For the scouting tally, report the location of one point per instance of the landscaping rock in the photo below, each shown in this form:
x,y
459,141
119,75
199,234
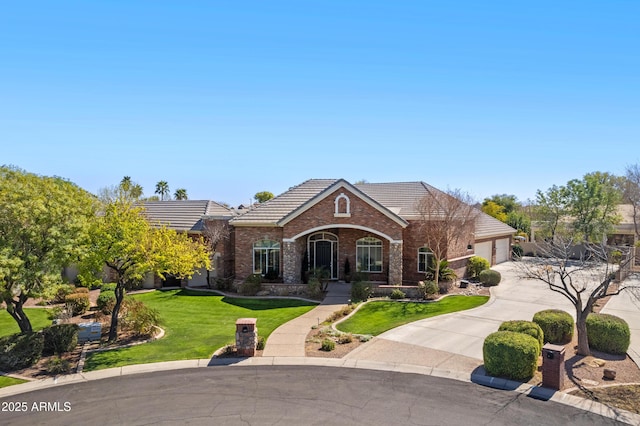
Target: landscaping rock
x,y
609,374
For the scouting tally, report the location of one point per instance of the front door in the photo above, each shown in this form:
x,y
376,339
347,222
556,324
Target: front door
x,y
324,256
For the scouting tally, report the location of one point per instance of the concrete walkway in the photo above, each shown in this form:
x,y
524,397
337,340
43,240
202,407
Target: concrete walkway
x,y
288,340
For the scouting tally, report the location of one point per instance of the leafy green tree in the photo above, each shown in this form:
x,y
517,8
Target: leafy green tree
x,y
494,210
162,189
519,221
125,242
551,207
509,203
592,203
263,196
180,194
43,228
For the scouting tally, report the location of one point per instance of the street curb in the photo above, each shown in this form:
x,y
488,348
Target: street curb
x,y
531,391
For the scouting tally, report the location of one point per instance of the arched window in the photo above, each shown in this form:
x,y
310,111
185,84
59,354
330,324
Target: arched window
x,y
424,256
266,258
342,206
369,254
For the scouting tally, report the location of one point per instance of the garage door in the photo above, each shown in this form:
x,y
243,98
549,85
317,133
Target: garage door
x,y
484,250
502,250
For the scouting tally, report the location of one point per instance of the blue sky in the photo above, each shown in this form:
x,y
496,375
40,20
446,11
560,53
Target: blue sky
x,y
227,99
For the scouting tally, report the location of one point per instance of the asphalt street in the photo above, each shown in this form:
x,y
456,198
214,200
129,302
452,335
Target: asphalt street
x,y
284,395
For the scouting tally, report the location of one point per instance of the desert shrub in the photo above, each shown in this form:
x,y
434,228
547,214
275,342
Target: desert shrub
x,y
527,327
511,355
608,333
360,291
108,287
365,338
328,345
251,285
517,251
445,273
397,294
476,265
557,325
345,338
77,303
106,301
60,338
314,288
20,350
81,290
489,277
138,317
341,313
428,289
57,365
260,343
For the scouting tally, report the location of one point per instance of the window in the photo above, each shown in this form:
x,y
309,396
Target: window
x,y
369,254
266,258
423,259
342,206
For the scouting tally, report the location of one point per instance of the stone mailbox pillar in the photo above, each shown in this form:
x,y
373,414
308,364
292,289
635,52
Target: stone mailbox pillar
x,y
246,336
552,365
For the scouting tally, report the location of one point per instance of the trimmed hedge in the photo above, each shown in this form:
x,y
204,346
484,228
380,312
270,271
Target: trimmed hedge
x,y
79,303
20,350
360,291
60,338
489,277
608,333
251,285
108,287
511,355
526,327
557,325
475,265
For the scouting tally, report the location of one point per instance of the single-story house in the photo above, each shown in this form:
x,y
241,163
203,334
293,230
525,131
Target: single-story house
x,y
372,226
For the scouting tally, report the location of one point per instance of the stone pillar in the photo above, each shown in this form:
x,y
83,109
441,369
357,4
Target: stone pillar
x,y
395,263
290,263
246,336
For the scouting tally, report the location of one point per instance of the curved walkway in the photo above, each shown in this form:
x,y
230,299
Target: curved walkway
x,y
288,340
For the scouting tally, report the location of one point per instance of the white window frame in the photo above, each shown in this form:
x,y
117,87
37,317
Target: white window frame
x,y
365,246
337,212
267,249
424,252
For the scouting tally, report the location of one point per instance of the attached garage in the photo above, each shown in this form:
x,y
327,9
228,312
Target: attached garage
x,y
502,250
484,249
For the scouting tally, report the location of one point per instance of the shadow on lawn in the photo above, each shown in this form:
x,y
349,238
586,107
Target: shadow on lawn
x,y
265,304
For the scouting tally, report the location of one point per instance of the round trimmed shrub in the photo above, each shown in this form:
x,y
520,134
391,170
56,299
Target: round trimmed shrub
x,y
526,327
428,289
489,277
557,325
108,287
106,301
475,265
608,333
511,355
60,338
78,302
20,350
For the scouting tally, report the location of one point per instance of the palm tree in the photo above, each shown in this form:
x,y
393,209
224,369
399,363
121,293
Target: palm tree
x,y
180,194
162,189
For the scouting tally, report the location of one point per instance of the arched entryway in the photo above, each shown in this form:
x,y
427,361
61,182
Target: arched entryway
x,y
323,252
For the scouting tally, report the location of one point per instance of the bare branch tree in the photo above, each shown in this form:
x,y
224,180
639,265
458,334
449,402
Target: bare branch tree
x,y
214,233
447,221
582,273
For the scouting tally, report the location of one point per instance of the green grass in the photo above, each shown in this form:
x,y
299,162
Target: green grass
x,y
197,324
377,317
37,316
9,381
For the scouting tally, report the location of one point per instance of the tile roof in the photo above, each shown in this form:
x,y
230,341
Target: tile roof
x,y
488,226
400,197
185,215
278,208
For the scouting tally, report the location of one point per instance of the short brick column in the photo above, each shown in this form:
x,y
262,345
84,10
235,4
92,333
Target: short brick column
x,y
246,336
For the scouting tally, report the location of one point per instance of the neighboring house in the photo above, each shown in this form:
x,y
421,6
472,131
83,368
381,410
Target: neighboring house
x,y
373,225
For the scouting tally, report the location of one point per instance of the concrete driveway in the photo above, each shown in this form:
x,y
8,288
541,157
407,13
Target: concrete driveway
x,y
463,333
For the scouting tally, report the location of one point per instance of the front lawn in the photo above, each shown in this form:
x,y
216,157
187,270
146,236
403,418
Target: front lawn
x,y
377,317
9,381
197,324
37,316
